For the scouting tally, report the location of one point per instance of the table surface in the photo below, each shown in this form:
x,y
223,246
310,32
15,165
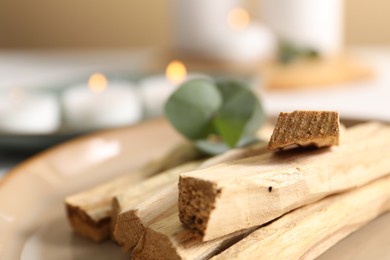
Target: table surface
x,y
367,100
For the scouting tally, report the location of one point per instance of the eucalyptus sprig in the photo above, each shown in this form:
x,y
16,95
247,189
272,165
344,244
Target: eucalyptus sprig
x,y
216,115
289,52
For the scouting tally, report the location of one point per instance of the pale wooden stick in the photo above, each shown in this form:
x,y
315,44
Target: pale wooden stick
x,y
132,221
307,232
133,197
169,239
89,212
238,195
131,224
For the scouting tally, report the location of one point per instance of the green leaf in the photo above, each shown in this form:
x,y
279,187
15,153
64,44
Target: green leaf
x,y
240,114
215,115
256,121
288,52
210,147
192,107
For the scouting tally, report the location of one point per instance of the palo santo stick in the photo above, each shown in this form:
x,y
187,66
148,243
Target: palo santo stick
x,y
307,232
134,197
239,195
89,211
132,221
319,128
168,239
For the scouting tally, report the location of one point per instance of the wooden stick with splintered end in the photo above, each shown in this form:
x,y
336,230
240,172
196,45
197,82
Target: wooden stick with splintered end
x,y
89,212
126,224
168,239
242,194
132,223
307,232
132,220
303,128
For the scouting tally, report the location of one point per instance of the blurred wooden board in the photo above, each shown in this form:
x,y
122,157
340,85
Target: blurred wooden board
x,y
200,63
304,74
297,75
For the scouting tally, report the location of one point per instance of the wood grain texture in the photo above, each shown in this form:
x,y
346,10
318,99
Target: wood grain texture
x,y
133,220
168,239
123,204
133,223
303,128
89,212
307,232
250,192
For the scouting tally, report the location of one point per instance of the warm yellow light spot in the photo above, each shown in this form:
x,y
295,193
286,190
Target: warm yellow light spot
x,y
176,72
238,19
97,83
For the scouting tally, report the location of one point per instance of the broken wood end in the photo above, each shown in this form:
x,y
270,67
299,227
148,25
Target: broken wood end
x,y
304,128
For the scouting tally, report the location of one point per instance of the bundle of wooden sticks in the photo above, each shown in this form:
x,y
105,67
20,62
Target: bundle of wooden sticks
x,y
249,203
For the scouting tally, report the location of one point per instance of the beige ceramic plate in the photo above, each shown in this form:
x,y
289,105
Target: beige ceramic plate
x,y
32,217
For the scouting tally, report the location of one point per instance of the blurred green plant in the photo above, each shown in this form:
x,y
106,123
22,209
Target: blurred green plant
x,y
288,52
216,115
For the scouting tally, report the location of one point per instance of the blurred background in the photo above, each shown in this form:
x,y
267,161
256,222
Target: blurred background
x,y
143,23
71,67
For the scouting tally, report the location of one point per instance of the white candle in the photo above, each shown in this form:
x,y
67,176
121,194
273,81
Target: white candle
x,y
253,43
220,30
155,90
199,24
101,104
28,113
316,24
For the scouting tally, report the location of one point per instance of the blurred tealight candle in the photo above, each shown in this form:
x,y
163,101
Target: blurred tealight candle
x,y
155,90
100,104
220,30
200,25
28,113
247,42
